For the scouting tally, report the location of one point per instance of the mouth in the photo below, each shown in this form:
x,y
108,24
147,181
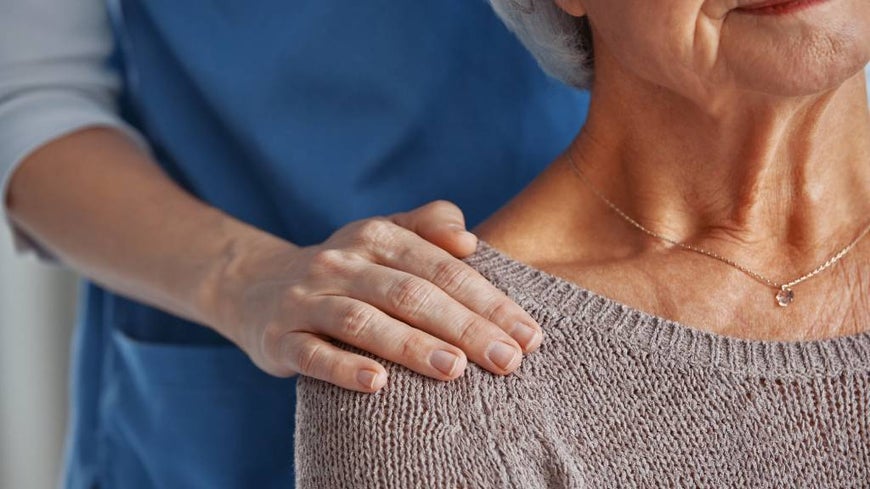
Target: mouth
x,y
777,7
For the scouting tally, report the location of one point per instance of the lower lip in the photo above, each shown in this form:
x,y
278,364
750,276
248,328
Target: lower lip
x,y
781,8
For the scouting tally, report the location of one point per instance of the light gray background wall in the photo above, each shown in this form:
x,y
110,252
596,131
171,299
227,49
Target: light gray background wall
x,y
37,305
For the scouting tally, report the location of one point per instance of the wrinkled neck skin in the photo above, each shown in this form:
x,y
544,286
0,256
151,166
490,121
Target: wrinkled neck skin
x,y
744,171
777,184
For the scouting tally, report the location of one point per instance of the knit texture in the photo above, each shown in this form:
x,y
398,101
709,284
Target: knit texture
x,y
613,398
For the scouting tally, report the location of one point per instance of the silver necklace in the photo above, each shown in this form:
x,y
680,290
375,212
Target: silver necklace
x,y
784,294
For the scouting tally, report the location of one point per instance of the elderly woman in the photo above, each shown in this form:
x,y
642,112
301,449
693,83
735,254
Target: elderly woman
x,y
696,259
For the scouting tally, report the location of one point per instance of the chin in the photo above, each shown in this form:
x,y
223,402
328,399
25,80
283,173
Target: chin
x,y
798,79
808,54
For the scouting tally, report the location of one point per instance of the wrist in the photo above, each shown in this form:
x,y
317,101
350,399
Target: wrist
x,y
245,256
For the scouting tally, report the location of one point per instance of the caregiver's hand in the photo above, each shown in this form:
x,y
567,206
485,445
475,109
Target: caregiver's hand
x,y
390,286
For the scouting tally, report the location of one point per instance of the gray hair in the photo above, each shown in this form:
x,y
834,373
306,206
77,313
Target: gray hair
x,y
561,43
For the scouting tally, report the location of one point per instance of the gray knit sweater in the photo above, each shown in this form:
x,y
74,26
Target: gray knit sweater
x,y
613,398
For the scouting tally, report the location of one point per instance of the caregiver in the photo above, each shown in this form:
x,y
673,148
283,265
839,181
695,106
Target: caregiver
x,y
236,193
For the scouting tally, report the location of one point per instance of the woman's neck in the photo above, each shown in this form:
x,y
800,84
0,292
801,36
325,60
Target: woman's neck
x,y
790,177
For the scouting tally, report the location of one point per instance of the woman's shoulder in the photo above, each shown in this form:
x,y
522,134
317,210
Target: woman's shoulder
x,y
412,432
416,431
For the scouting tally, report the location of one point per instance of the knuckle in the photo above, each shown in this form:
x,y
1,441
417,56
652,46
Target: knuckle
x,y
450,276
295,294
310,357
470,330
328,260
500,308
356,320
409,295
375,231
411,346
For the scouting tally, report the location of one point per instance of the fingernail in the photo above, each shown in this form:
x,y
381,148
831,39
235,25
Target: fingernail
x,y
502,354
456,226
526,335
371,379
444,361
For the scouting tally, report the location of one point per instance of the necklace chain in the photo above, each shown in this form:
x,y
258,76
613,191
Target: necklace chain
x,y
784,296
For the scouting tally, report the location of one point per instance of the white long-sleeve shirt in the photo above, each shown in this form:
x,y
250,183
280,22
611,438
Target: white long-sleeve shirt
x,y
54,78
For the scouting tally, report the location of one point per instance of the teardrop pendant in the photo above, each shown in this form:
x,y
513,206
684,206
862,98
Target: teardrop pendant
x,y
784,297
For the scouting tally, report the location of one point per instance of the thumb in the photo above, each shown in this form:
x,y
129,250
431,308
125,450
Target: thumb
x,y
442,224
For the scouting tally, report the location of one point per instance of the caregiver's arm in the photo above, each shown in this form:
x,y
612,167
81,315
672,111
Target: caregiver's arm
x,y
97,202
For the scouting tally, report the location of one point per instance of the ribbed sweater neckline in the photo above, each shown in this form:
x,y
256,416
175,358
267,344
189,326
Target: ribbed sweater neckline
x,y
578,308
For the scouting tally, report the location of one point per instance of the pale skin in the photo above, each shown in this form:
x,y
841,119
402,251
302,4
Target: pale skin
x,y
392,285
743,134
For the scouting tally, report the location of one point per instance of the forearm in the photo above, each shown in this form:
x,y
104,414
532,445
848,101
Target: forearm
x,y
96,201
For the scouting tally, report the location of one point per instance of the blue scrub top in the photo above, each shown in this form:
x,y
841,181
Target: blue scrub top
x,y
297,117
